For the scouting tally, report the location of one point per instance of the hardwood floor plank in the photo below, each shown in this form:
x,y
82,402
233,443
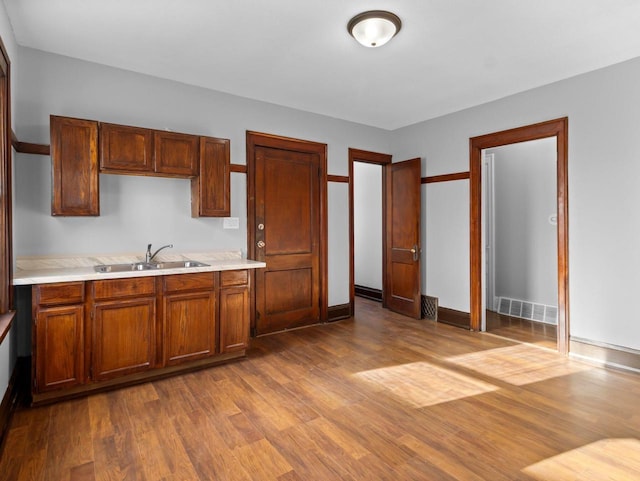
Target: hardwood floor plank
x,y
84,472
261,460
375,397
206,448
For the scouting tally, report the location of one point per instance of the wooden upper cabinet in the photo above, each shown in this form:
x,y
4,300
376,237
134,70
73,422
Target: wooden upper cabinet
x,y
74,162
125,149
176,154
210,191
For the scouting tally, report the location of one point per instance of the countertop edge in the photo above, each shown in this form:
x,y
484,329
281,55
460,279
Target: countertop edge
x,y
49,276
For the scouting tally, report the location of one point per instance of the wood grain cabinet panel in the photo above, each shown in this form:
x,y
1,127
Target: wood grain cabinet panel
x,y
234,310
58,334
189,317
59,293
58,355
189,320
127,287
125,149
234,319
211,191
74,160
176,154
124,337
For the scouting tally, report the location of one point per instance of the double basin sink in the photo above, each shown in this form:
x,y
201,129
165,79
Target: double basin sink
x,y
147,266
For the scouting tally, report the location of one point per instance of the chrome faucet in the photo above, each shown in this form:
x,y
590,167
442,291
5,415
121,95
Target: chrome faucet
x,y
149,256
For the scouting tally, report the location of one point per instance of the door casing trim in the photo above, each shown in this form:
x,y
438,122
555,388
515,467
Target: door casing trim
x,y
559,129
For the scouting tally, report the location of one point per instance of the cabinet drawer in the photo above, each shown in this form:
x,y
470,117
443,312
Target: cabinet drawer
x,y
188,282
135,286
234,278
58,294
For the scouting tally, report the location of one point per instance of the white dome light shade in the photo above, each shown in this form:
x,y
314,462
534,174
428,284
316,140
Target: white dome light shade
x,y
374,28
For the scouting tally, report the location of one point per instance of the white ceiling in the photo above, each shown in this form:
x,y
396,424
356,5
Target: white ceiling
x,y
449,55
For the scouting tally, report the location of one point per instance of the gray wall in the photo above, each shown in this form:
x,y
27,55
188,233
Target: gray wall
x,y
604,230
138,210
525,241
367,224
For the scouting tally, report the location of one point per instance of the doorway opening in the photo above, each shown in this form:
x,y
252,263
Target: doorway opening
x,y
368,233
519,235
559,130
401,195
366,169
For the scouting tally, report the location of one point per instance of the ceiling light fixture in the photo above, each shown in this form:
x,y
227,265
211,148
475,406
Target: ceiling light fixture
x,y
374,28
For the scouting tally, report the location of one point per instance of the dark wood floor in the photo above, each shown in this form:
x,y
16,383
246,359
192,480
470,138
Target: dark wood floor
x,y
522,330
378,397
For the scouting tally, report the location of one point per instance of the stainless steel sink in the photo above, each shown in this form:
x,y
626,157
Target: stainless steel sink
x,y
136,266
180,264
147,266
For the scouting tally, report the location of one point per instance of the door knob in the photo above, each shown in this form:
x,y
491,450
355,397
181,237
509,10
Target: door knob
x,y
416,252
261,244
260,226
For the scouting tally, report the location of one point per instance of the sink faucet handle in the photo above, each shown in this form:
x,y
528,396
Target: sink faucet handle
x,y
150,256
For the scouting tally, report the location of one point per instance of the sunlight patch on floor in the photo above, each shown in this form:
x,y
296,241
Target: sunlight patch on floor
x,y
421,384
610,459
519,364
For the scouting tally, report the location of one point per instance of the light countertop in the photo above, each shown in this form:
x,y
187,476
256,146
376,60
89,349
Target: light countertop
x,y
46,270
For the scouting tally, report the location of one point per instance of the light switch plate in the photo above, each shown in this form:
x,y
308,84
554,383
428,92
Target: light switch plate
x,y
231,223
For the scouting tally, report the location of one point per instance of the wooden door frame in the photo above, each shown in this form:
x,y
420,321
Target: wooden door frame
x,y
357,155
559,129
259,139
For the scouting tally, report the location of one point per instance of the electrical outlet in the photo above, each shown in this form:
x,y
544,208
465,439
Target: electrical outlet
x,y
231,223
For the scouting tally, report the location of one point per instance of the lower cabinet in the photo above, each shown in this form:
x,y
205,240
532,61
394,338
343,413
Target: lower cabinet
x,y
58,336
123,337
123,315
189,317
234,310
98,334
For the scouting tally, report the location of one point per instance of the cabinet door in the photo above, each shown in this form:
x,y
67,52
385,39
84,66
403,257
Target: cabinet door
x,y
124,337
74,160
59,347
234,319
210,191
125,149
176,154
189,321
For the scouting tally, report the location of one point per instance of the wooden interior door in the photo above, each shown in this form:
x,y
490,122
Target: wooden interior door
x,y
285,223
401,262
